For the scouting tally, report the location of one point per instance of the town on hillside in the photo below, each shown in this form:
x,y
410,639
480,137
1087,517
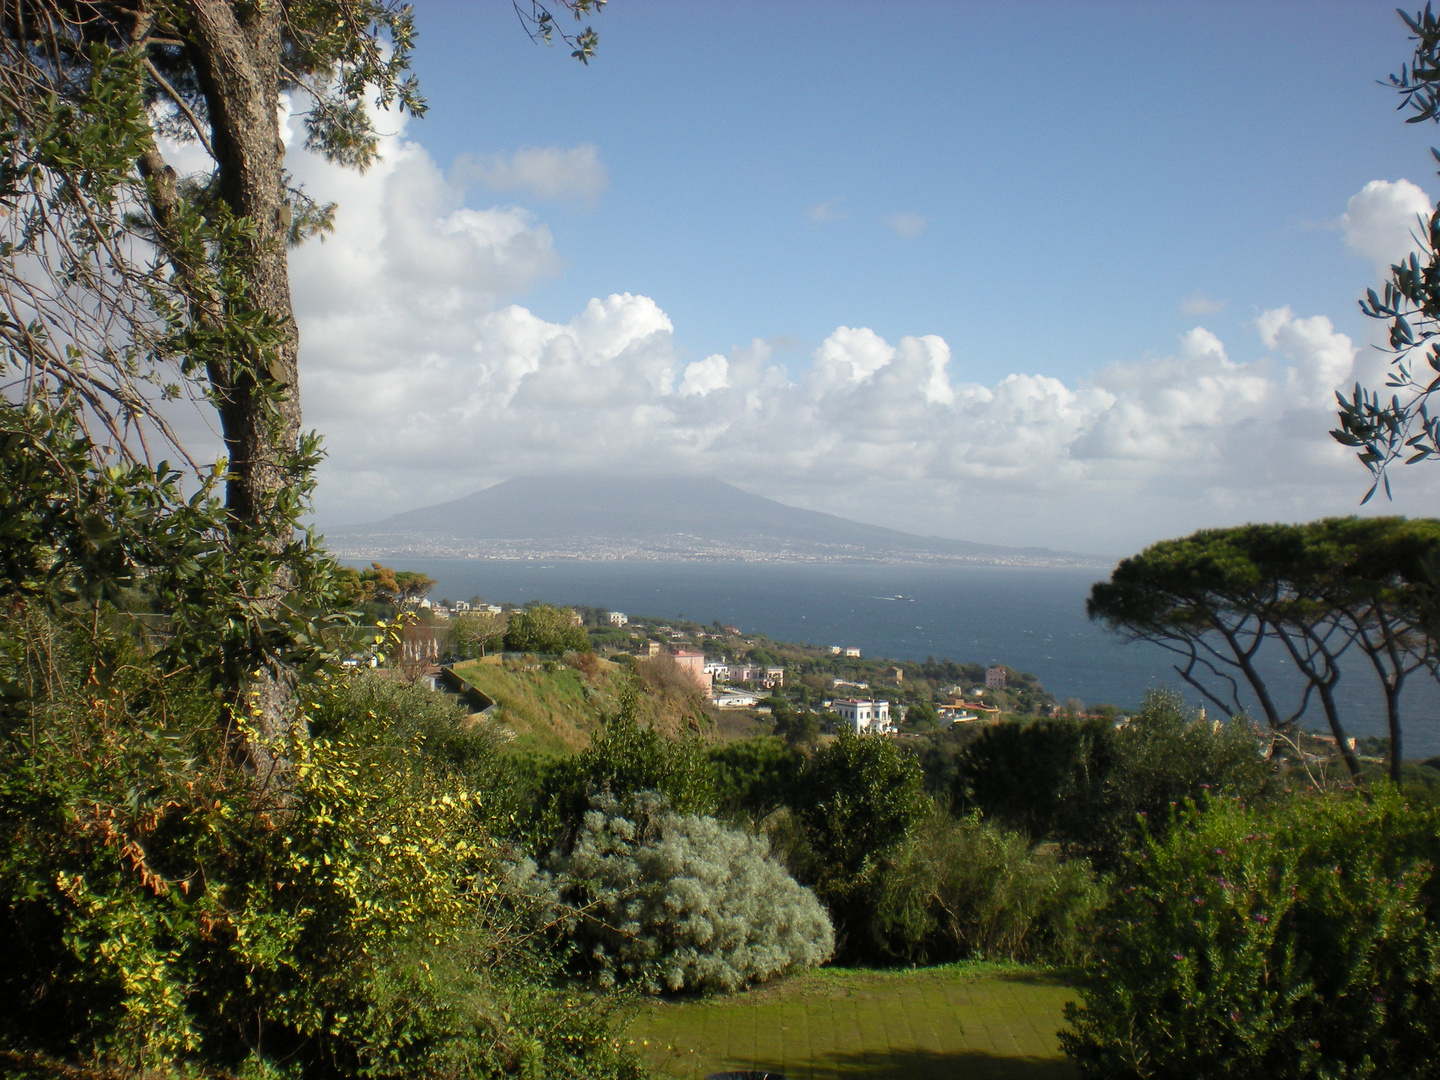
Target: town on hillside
x,y
743,680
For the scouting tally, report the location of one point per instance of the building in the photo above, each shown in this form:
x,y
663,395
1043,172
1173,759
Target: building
x,y
616,618
835,650
995,678
736,699
774,676
864,716
692,663
460,605
851,650
733,630
959,711
648,650
956,714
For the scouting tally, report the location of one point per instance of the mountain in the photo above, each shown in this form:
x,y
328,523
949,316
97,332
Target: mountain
x,y
655,518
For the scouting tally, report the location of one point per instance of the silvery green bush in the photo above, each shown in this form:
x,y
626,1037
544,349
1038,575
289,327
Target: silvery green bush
x,y
677,902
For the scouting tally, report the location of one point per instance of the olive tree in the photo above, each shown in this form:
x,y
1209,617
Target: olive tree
x,y
1396,424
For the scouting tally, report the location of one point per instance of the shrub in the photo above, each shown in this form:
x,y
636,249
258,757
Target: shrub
x,y
1093,786
963,889
754,777
680,902
1289,942
623,760
162,913
858,799
1037,777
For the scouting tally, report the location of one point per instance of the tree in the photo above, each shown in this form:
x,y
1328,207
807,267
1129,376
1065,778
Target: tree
x,y
1037,777
754,777
1317,590
411,585
542,628
1385,431
126,285
474,632
859,799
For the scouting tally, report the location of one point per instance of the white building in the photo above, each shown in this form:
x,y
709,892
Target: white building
x,y
956,714
616,618
863,716
718,672
852,651
460,605
735,699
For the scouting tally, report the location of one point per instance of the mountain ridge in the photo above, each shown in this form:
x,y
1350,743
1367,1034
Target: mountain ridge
x,y
656,518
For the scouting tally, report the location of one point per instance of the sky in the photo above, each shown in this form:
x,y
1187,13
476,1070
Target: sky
x,y
1081,275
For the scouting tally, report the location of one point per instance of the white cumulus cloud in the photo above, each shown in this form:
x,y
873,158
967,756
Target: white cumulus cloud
x,y
703,376
429,381
1382,220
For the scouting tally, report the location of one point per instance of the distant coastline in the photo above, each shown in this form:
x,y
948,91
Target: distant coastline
x,y
609,519
682,549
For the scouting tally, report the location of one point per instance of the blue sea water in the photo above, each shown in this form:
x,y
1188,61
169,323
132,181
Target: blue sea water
x,y
1032,619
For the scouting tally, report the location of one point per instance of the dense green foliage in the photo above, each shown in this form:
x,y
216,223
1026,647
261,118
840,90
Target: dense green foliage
x,y
858,801
159,911
1096,787
678,901
1296,941
624,761
968,889
754,777
541,628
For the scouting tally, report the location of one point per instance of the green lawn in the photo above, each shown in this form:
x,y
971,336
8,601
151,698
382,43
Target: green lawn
x,y
951,1023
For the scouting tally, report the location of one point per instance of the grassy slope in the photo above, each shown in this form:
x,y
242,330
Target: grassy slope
x,y
553,709
966,1020
550,711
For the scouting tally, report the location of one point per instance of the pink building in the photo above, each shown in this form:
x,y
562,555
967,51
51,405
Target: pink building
x,y
692,663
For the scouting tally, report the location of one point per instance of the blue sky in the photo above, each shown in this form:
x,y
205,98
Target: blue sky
x,y
1076,274
1082,168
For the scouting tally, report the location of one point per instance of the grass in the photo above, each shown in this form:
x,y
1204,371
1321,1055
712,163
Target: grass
x,y
550,711
981,1021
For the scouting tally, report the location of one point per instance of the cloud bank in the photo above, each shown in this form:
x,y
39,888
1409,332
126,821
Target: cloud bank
x,y
429,382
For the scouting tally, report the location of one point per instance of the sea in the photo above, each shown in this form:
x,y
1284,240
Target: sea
x,y
1030,618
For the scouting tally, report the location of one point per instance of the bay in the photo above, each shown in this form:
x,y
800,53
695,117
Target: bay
x,y
1031,618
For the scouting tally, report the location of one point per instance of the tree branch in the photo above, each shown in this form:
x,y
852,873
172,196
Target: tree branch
x,y
174,95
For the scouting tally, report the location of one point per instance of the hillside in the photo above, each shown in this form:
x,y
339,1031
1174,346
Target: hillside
x,y
553,708
650,518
